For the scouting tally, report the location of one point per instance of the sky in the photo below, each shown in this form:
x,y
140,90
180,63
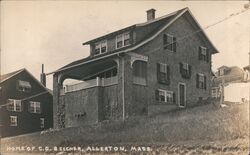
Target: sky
x,y
52,32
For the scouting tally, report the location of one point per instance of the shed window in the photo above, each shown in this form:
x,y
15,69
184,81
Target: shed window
x,y
13,120
41,123
34,107
14,105
23,86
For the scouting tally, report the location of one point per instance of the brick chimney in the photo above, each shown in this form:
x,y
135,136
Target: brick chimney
x,y
151,14
43,77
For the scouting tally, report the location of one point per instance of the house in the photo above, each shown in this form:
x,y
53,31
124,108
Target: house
x,y
26,104
159,65
231,79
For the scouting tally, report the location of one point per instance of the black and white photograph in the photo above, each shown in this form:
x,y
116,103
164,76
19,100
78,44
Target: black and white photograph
x,y
124,77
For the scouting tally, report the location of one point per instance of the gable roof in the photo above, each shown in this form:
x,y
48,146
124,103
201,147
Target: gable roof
x,y
172,17
8,76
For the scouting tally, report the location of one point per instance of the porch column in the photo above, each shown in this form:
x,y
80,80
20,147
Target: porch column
x,y
124,73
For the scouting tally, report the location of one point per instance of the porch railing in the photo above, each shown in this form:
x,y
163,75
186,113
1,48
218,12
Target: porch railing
x,y
88,84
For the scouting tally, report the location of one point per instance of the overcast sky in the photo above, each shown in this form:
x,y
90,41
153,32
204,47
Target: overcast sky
x,y
52,32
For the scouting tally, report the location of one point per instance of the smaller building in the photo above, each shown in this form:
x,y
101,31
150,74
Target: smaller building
x,y
230,80
26,105
247,73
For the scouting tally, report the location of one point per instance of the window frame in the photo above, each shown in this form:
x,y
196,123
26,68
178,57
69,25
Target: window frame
x,y
167,99
100,45
15,105
163,70
172,43
35,111
13,123
122,40
42,123
201,81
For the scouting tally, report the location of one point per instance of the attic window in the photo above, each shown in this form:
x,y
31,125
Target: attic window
x,y
169,42
122,40
23,86
203,54
100,47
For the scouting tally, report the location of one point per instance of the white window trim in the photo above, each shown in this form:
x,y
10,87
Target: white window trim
x,y
42,123
123,39
35,107
165,94
14,118
100,44
15,105
185,99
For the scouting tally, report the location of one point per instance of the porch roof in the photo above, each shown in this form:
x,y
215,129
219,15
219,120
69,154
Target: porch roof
x,y
87,70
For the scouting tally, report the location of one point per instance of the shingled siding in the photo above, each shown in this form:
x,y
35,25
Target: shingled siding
x,y
187,52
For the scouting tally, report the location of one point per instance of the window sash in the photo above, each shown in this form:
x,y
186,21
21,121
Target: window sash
x,y
13,120
35,107
14,105
123,40
166,96
42,125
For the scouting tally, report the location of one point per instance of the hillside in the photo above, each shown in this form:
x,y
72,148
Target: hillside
x,y
208,129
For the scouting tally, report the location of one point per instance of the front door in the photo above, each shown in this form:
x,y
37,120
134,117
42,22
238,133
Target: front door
x,y
182,95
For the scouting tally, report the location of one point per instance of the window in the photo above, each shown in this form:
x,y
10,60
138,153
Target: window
x,y
165,96
163,73
169,42
35,107
185,70
41,123
122,40
13,120
139,72
201,81
14,105
203,54
215,92
23,86
101,47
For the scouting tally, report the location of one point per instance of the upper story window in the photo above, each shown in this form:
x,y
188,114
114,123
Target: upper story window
x,y
201,81
13,120
185,70
169,42
163,73
101,47
14,105
122,40
165,96
23,86
34,107
203,54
